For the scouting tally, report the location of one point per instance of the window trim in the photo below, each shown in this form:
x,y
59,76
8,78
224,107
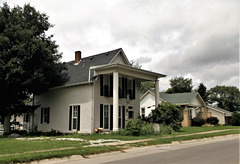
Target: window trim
x,y
71,117
45,115
143,113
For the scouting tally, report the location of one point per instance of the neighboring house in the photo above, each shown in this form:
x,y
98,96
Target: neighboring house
x,y
190,104
102,92
223,115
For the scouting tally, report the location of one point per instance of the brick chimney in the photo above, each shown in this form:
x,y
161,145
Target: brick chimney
x,y
77,56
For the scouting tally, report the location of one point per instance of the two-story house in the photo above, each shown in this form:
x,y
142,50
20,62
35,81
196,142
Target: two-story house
x,y
102,92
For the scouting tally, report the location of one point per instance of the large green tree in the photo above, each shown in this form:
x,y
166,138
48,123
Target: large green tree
x,y
202,90
180,85
29,59
226,97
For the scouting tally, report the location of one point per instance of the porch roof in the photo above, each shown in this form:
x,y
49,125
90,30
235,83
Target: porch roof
x,y
141,74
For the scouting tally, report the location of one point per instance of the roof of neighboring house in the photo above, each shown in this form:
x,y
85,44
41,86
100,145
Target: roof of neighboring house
x,y
178,98
80,73
223,111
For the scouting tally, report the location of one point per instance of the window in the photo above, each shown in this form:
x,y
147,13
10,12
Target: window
x,y
106,85
131,89
74,117
125,87
190,114
143,112
130,112
45,115
106,117
119,117
26,117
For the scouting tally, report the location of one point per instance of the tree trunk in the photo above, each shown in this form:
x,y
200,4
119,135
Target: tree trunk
x,y
7,123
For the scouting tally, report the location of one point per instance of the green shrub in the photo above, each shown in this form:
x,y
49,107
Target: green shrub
x,y
164,129
147,129
235,119
198,121
137,127
167,114
213,120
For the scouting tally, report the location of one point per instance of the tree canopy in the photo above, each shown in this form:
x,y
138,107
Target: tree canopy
x,y
226,97
202,90
180,85
29,59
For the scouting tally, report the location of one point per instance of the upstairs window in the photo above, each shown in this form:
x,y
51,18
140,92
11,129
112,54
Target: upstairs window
x,y
106,85
126,87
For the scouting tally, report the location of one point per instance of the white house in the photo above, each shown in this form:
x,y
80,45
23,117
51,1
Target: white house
x,y
102,92
190,103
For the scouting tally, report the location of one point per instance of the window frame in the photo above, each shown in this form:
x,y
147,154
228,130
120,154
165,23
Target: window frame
x,y
143,113
45,115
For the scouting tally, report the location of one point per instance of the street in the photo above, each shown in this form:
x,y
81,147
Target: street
x,y
223,150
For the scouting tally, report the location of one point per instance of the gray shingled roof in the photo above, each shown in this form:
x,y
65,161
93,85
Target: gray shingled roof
x,y
80,73
220,110
178,98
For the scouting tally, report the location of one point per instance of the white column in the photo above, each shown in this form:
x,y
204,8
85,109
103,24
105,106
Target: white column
x,y
156,93
115,101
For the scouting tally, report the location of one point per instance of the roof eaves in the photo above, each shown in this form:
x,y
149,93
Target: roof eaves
x,y
72,85
218,110
123,54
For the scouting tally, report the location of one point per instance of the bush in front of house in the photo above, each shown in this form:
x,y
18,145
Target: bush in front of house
x,y
213,120
167,114
137,127
164,129
235,121
197,121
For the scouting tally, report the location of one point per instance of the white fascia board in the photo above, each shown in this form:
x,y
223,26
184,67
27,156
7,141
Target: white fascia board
x,y
127,70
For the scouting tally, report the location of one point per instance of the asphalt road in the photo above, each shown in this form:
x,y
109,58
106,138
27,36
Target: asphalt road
x,y
224,150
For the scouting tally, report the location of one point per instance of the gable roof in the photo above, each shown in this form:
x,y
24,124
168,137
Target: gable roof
x,y
225,112
178,98
80,73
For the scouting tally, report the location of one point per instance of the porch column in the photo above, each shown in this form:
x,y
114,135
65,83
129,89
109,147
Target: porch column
x,y
156,93
115,101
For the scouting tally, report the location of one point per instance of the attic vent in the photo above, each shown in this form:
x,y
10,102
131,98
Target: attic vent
x,y
91,58
107,53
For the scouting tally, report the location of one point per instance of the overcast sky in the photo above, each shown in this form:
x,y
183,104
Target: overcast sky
x,y
197,39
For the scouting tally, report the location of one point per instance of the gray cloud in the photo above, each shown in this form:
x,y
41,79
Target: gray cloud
x,y
197,39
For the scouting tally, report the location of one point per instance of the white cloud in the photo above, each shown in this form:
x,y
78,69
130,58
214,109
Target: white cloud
x,y
197,39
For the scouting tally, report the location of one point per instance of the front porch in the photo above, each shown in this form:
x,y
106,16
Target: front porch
x,y
124,84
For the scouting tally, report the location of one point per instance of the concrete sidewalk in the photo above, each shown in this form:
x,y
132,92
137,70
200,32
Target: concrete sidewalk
x,y
143,140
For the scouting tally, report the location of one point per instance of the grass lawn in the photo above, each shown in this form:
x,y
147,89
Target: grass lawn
x,y
12,150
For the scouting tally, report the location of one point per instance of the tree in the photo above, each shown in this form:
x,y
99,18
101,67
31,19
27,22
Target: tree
x,y
135,64
148,85
202,90
180,85
29,59
235,121
167,114
226,97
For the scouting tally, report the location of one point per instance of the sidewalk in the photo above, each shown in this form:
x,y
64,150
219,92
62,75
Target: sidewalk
x,y
143,140
112,142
